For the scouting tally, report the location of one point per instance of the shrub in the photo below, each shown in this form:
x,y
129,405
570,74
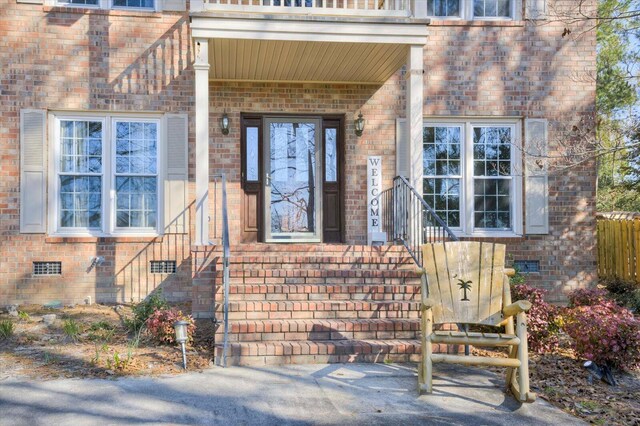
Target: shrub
x,y
160,325
71,329
543,319
625,293
143,310
7,328
605,333
588,297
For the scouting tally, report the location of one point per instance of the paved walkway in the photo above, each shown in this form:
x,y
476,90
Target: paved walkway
x,y
292,395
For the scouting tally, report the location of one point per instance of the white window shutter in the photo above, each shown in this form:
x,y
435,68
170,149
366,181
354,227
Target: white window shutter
x,y
403,149
536,9
33,178
176,181
536,179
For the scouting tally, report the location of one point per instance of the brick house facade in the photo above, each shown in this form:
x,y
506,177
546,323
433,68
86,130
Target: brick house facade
x,y
116,64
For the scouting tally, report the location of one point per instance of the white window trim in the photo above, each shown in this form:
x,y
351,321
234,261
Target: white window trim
x,y
108,228
107,4
466,13
466,200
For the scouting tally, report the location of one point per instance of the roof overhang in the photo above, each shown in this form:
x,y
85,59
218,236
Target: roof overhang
x,y
307,49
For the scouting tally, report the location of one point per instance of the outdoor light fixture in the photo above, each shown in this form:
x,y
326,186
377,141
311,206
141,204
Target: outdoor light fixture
x,y
224,124
181,337
359,123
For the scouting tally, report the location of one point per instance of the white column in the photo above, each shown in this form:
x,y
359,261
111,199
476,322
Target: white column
x,y
415,97
201,67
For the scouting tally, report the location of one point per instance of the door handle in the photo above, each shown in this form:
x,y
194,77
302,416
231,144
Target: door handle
x,y
268,179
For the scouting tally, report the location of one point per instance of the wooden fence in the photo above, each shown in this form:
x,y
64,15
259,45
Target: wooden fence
x,y
619,246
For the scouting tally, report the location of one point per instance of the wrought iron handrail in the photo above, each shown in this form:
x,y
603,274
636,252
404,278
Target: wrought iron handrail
x,y
226,252
409,220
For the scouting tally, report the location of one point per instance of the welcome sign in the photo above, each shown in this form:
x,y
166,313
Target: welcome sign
x,y
374,187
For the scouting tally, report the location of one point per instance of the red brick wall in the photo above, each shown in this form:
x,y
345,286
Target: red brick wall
x,y
54,58
128,61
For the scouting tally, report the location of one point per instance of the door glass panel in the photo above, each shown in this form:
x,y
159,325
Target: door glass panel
x,y
293,177
330,156
252,154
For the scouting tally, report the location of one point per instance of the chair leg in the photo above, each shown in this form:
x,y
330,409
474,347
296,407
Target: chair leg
x,y
520,387
426,366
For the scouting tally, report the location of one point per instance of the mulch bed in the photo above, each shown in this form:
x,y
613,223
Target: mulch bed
x,y
561,379
39,351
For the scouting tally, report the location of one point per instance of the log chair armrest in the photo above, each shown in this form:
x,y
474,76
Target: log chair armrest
x,y
510,272
428,303
516,307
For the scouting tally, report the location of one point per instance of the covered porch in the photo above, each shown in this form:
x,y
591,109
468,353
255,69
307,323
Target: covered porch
x,y
248,59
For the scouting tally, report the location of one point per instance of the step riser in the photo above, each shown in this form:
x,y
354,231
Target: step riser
x,y
320,315
320,336
314,297
257,361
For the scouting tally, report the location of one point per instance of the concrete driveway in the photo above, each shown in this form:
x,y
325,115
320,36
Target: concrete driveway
x,y
340,394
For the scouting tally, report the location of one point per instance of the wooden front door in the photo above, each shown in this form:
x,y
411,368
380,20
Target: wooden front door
x,y
292,178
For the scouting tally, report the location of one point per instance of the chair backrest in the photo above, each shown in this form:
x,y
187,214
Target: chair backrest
x,y
465,281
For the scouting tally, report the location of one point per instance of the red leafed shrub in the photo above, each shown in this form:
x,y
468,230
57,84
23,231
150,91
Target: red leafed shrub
x,y
605,333
160,325
588,297
543,319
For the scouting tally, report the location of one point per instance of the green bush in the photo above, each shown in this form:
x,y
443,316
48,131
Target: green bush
x,y
143,310
71,328
7,328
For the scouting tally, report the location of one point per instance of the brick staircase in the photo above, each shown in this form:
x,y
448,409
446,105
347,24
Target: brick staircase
x,y
321,303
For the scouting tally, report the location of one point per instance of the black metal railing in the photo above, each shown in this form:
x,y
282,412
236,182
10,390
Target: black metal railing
x,y
226,252
408,220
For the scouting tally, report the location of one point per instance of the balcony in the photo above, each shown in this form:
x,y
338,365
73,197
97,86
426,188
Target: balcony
x,y
345,8
339,41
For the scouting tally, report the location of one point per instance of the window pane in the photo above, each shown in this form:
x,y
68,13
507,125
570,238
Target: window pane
x,y
252,156
136,202
492,8
443,7
92,2
331,155
492,151
136,148
80,148
441,168
492,157
133,3
80,201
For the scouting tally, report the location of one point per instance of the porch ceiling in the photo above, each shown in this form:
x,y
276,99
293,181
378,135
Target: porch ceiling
x,y
308,61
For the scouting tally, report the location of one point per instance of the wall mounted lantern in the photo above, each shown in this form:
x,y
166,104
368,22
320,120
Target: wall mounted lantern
x,y
181,337
224,124
359,124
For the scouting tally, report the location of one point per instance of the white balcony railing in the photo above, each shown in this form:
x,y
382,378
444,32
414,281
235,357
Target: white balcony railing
x,y
351,8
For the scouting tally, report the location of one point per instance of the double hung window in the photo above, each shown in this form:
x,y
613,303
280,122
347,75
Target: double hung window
x,y
106,175
470,175
472,9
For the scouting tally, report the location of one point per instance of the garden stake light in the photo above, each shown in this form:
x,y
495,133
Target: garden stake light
x,y
181,337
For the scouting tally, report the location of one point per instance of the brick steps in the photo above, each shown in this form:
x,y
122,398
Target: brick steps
x,y
314,330
321,351
324,293
335,309
317,303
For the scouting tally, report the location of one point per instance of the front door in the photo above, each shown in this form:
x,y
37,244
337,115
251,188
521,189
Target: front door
x,y
293,179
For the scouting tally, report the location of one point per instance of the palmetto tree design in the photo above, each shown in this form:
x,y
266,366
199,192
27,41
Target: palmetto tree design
x,y
464,286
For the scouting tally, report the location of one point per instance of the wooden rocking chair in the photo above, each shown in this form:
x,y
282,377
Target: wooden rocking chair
x,y
466,283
